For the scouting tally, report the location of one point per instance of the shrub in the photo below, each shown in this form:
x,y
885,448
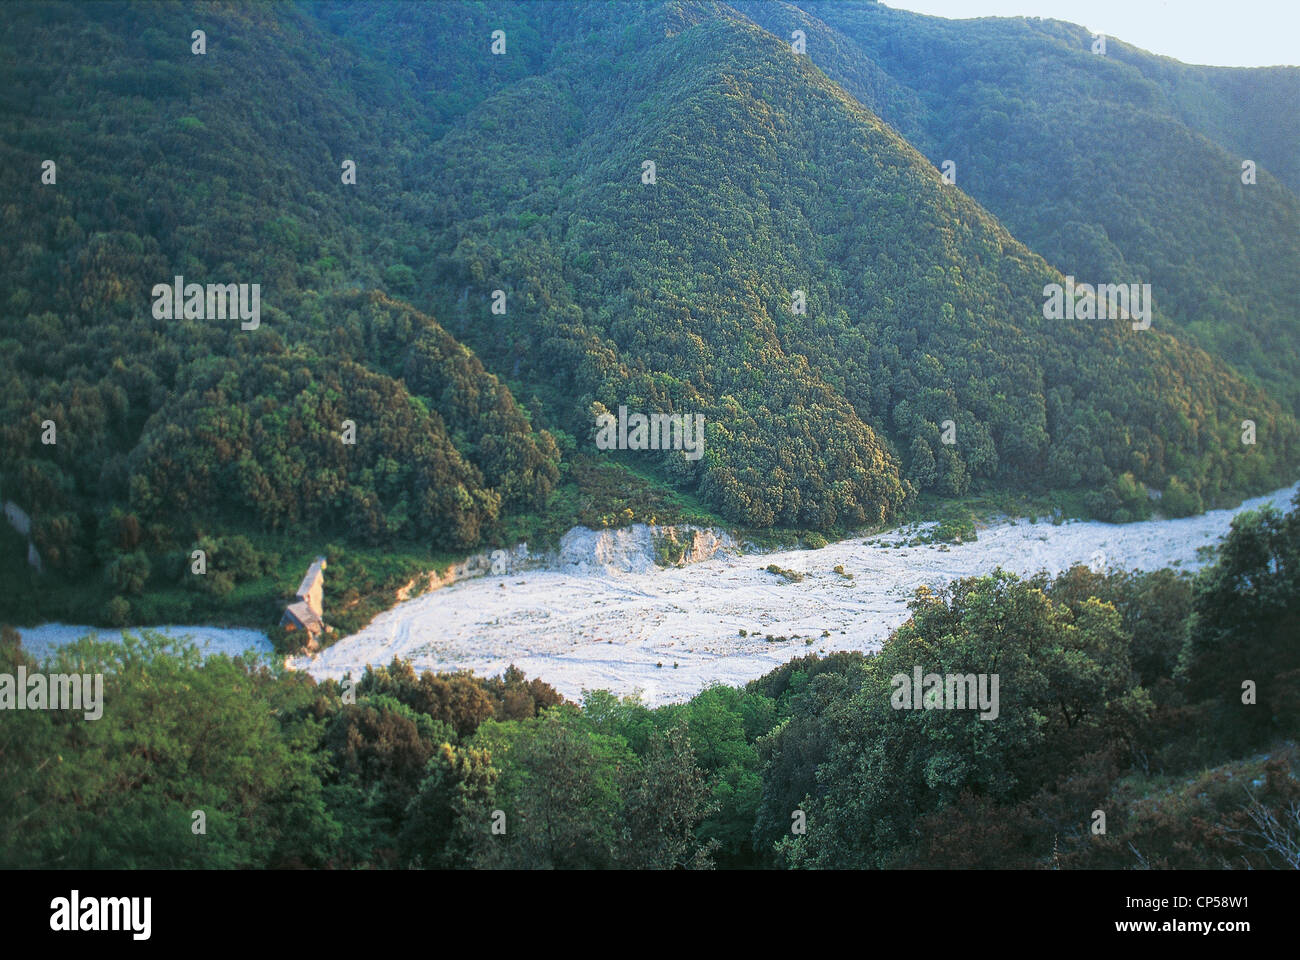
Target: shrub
x,y
117,612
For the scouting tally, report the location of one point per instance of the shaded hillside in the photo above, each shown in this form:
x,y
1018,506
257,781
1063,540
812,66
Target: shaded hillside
x,y
163,170
1122,168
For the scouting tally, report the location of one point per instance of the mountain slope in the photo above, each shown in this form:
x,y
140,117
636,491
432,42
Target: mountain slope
x,y
164,170
1116,168
770,180
477,174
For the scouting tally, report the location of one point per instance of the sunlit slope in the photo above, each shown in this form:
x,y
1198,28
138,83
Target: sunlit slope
x,y
769,179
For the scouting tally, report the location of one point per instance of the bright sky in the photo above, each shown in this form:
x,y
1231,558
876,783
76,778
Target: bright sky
x,y
1226,33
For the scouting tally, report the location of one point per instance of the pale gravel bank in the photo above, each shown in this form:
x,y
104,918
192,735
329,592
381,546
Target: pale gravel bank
x,y
604,617
602,625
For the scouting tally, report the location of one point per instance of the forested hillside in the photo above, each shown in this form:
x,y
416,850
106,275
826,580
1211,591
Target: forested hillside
x,y
1114,167
525,173
170,429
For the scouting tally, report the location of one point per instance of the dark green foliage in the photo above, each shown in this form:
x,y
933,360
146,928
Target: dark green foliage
x,y
1040,415
381,748
664,802
1180,500
522,174
1013,100
176,735
1098,709
208,169
439,830
1131,685
1059,672
1153,608
1246,627
558,789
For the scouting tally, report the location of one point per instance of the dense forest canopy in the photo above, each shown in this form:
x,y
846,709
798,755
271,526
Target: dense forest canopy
x,y
1111,167
921,362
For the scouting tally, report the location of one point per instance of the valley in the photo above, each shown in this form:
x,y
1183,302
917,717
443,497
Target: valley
x,y
601,615
645,388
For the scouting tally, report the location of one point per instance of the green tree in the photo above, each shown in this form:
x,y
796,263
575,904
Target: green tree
x,y
558,789
1245,624
665,800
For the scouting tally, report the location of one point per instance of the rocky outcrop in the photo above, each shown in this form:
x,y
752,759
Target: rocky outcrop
x,y
640,548
497,562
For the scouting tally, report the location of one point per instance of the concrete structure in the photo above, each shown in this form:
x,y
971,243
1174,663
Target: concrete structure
x,y
308,609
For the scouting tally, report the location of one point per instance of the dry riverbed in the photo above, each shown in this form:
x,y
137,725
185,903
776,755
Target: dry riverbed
x,y
604,617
